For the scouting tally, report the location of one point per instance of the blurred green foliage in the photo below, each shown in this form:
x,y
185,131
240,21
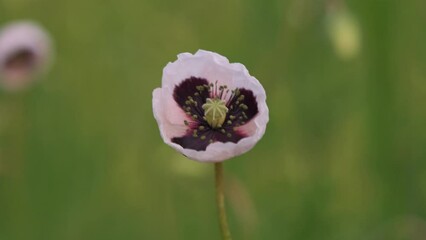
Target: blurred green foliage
x,y
344,153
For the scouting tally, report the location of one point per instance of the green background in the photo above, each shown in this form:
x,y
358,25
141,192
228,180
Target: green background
x,y
344,155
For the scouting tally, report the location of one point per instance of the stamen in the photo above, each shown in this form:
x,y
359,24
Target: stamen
x,y
243,106
216,109
244,115
226,94
237,92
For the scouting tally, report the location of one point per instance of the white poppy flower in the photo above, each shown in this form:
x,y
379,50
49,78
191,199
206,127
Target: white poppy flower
x,y
209,109
25,52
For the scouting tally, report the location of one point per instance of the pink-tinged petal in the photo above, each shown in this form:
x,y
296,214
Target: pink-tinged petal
x,y
25,53
216,57
168,115
246,118
202,64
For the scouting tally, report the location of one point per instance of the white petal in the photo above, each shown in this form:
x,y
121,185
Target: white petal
x,y
213,67
168,115
203,64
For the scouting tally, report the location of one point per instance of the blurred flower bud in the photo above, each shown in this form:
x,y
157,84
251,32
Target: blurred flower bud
x,y
344,32
25,54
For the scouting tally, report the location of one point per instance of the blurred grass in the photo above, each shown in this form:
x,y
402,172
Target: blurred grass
x,y
343,156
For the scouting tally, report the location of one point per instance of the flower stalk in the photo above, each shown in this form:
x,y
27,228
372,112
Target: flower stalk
x,y
220,201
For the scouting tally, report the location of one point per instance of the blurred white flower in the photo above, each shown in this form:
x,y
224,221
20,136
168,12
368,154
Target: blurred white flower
x,y
344,32
25,53
209,109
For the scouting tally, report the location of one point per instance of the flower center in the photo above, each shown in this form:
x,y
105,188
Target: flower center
x,y
22,60
215,112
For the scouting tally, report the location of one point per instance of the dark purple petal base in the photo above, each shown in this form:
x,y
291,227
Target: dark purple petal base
x,y
192,93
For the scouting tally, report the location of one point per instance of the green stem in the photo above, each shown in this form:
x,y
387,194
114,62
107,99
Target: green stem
x,y
220,201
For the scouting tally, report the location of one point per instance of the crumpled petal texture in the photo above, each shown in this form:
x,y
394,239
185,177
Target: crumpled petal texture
x,y
213,67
